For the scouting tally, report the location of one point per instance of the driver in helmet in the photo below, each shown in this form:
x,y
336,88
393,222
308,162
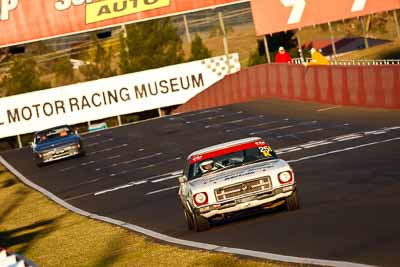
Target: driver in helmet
x,y
207,166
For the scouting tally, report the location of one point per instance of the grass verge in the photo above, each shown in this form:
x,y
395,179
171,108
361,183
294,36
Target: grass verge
x,y
49,235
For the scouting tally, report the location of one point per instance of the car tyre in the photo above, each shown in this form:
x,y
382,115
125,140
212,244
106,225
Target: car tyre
x,y
189,220
292,202
200,223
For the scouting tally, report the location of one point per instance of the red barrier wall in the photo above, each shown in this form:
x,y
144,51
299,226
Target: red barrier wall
x,y
366,86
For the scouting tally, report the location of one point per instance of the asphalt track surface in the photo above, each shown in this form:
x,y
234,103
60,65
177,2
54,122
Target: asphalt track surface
x,y
346,160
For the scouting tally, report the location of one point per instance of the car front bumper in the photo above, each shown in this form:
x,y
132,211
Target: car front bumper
x,y
246,202
58,154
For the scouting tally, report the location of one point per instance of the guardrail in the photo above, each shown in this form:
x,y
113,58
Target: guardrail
x,y
362,86
8,259
353,62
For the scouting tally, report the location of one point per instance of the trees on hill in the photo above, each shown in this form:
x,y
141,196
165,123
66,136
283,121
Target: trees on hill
x,y
23,77
99,62
150,44
198,49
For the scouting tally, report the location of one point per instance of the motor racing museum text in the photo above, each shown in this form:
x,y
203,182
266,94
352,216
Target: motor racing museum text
x,y
104,98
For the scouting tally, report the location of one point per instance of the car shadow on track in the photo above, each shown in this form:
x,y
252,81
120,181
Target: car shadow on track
x,y
248,215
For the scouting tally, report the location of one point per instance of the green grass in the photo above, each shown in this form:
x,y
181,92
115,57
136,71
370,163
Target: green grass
x,y
49,235
384,51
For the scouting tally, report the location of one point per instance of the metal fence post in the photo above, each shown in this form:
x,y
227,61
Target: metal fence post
x,y
396,22
185,23
332,40
299,46
267,49
19,141
225,40
364,33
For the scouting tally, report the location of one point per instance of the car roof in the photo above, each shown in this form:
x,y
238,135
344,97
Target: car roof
x,y
56,127
224,145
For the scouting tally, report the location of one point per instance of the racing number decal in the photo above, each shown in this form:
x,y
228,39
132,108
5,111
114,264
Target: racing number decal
x,y
266,150
299,6
297,11
358,5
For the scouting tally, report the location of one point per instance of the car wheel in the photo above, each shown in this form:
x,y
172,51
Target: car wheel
x,y
200,223
189,220
292,202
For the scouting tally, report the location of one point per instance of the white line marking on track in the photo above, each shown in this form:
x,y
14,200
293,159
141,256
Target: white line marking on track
x,y
136,159
273,129
114,157
108,149
92,144
348,137
117,173
335,139
329,108
315,144
342,150
160,163
166,178
147,166
66,169
284,127
89,137
102,142
198,113
165,174
119,187
255,125
233,122
303,132
214,117
88,163
162,190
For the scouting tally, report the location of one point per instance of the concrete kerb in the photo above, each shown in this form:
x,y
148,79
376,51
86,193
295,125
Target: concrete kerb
x,y
177,241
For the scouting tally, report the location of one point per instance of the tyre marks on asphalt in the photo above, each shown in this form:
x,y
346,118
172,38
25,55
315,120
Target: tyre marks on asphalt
x,y
219,119
152,184
173,175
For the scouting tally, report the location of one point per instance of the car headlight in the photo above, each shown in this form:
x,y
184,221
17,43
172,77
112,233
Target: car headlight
x,y
200,198
285,177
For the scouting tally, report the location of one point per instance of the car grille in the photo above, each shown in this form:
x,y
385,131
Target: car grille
x,y
234,191
60,152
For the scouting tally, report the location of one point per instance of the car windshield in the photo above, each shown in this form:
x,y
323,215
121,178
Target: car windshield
x,y
53,133
229,160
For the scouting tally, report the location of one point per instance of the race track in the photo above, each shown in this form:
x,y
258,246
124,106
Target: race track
x,y
347,164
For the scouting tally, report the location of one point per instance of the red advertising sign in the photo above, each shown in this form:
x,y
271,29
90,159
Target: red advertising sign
x,y
27,20
279,15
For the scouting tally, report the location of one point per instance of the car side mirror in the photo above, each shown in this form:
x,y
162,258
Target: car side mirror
x,y
183,179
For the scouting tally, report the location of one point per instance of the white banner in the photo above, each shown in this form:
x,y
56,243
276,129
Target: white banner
x,y
130,93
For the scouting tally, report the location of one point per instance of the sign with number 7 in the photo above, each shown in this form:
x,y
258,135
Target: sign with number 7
x,y
279,15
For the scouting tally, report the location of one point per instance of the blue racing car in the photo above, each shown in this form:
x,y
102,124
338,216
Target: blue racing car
x,y
56,143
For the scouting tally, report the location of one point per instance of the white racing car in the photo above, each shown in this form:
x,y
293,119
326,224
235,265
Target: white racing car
x,y
224,179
